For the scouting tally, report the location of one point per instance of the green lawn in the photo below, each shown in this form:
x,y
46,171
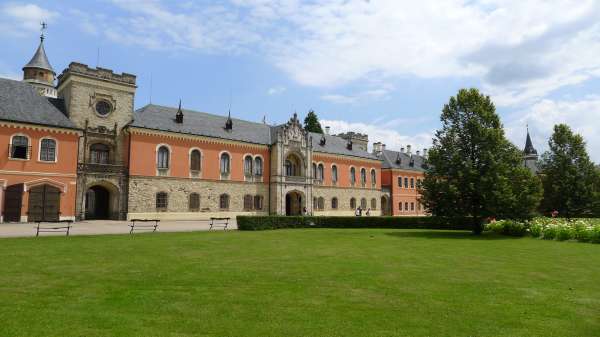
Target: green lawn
x,y
311,282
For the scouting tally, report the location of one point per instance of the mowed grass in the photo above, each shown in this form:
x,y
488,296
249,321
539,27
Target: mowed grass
x,y
302,282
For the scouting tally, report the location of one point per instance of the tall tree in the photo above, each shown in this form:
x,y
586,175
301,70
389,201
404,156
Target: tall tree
x,y
311,122
570,179
473,170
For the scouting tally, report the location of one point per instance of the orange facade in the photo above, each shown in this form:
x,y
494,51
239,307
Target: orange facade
x,y
26,168
402,185
344,167
144,150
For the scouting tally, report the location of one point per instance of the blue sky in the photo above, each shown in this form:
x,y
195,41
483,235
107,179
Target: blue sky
x,y
382,67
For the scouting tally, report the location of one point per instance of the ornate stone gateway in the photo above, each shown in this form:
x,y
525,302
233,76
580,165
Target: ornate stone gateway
x,y
294,203
44,203
97,203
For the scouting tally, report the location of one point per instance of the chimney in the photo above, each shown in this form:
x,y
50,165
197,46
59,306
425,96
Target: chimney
x,y
418,153
425,152
327,128
382,147
402,149
408,149
377,148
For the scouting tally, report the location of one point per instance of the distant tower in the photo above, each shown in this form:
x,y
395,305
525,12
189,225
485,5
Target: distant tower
x,y
530,155
38,72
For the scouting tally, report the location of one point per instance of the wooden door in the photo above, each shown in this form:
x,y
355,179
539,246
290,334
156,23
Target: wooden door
x,y
44,203
13,199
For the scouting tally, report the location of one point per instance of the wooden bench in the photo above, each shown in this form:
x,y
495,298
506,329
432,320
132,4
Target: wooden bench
x,y
53,228
219,222
136,226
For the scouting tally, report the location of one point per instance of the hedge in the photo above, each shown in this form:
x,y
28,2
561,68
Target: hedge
x,y
254,223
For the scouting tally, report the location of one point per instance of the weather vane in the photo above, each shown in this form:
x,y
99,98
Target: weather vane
x,y
44,26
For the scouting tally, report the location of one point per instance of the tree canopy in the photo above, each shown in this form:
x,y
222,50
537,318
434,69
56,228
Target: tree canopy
x,y
472,169
311,122
570,179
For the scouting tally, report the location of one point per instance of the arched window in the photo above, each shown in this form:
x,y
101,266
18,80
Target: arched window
x,y
162,201
363,203
225,164
258,202
248,166
289,169
399,181
162,158
352,203
248,202
194,204
352,176
373,177
412,206
405,182
363,176
19,147
195,160
48,150
314,202
321,203
258,166
334,203
314,171
320,172
334,174
224,202
406,206
373,203
412,182
99,153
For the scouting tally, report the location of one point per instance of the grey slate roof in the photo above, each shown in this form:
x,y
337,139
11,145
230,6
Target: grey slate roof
x,y
162,118
39,59
20,102
529,149
338,145
390,160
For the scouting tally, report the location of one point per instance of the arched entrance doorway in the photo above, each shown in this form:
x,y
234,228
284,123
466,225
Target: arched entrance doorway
x,y
13,199
97,203
385,210
294,203
44,203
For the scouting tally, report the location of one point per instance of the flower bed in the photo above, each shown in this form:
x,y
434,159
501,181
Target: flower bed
x,y
583,230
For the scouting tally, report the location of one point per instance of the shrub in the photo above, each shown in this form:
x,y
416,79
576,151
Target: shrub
x,y
279,222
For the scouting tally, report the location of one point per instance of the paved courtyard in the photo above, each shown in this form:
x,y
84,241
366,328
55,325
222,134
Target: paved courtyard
x,y
96,227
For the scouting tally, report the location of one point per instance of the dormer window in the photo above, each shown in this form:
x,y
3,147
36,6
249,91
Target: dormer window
x,y
322,141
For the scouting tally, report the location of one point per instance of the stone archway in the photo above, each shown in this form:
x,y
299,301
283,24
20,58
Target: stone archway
x,y
101,202
294,203
385,207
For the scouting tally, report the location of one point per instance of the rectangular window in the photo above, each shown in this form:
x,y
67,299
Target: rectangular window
x,y
258,202
412,206
412,182
406,206
405,182
400,183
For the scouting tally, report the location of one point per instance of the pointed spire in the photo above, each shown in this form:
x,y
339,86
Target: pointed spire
x,y
529,149
179,114
229,122
39,59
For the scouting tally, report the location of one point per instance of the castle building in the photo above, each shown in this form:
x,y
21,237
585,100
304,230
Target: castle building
x,y
79,150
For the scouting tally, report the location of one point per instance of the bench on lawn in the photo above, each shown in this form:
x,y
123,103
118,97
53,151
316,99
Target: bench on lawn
x,y
143,225
219,222
60,226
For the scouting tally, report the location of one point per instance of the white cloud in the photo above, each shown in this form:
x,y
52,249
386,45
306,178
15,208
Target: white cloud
x,y
374,94
581,115
381,132
518,51
276,90
17,19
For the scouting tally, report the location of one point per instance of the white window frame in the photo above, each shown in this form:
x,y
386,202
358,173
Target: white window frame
x,y
55,150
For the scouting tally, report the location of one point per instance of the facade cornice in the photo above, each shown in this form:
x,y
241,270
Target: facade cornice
x,y
210,140
345,157
41,174
39,127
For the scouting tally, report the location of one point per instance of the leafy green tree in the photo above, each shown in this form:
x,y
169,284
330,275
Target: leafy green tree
x,y
570,179
473,170
311,122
